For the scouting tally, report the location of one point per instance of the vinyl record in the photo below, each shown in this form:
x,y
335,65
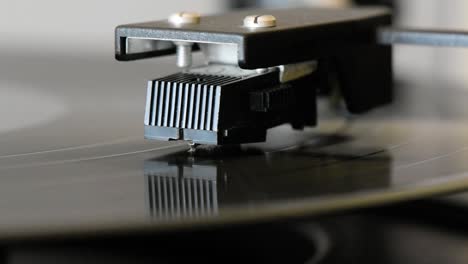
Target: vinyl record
x,y
73,159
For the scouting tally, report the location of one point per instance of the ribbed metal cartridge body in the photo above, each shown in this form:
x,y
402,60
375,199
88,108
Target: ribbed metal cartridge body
x,y
205,109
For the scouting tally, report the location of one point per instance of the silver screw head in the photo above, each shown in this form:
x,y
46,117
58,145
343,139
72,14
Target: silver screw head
x,y
259,21
184,18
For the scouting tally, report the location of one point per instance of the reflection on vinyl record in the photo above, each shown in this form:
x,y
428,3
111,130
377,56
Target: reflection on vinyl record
x,y
183,185
181,191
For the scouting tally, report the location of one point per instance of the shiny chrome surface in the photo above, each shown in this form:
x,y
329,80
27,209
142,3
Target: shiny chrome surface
x,y
73,159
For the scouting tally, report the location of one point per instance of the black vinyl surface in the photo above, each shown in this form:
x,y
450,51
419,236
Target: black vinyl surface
x,y
73,160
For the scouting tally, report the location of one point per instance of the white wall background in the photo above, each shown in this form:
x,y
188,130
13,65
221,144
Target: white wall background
x,y
84,25
429,63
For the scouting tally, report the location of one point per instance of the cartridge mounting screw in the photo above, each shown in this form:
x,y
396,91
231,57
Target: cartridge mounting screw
x,y
185,18
259,21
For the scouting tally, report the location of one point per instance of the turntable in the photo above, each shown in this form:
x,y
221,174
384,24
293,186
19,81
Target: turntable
x,y
78,181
